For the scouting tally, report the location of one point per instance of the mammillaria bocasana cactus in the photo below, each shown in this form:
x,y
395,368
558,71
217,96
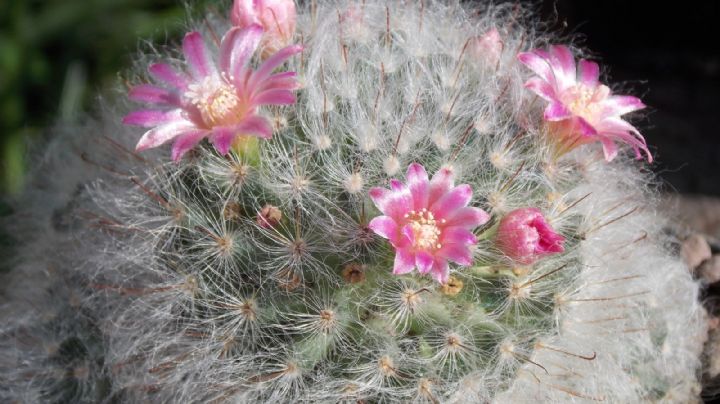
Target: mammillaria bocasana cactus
x,y
364,201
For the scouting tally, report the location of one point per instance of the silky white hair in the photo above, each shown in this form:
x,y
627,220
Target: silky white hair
x,y
138,279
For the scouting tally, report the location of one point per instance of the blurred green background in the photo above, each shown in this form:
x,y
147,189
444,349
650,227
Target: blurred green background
x,y
56,55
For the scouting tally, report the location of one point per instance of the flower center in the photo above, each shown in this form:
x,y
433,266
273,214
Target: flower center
x,y
426,233
581,102
217,100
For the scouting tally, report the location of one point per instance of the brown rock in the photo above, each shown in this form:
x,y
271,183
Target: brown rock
x,y
709,271
698,213
695,249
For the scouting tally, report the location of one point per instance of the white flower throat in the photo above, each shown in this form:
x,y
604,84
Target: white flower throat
x,y
217,100
426,232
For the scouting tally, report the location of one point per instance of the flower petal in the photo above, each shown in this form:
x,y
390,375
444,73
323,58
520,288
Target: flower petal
x,y
424,261
280,81
149,117
563,65
153,95
265,70
237,47
542,88
385,227
441,271
419,185
621,104
538,64
468,217
556,111
196,56
185,142
167,74
584,127
457,253
449,203
274,97
164,133
457,235
588,73
245,12
441,183
392,203
223,136
404,262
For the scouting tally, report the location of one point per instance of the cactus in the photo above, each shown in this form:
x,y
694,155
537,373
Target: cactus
x,y
256,269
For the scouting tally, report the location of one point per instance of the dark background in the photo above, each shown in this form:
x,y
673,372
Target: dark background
x,y
669,54
56,54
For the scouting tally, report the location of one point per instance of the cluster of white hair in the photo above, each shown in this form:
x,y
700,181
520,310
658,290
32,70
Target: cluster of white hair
x,y
140,279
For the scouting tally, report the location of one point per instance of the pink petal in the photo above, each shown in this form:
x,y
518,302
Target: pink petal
x,y
274,97
148,117
153,95
424,261
196,55
392,203
385,227
615,124
449,203
584,127
222,138
409,234
468,217
404,262
538,64
457,253
633,139
457,235
164,72
621,104
250,126
237,47
164,133
280,81
397,186
588,73
441,183
418,183
542,88
245,12
563,65
441,271
185,142
556,111
266,69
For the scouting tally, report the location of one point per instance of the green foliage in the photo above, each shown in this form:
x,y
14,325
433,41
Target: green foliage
x,y
55,54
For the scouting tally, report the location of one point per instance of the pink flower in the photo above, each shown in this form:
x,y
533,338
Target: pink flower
x,y
581,110
427,221
277,17
487,47
218,103
525,236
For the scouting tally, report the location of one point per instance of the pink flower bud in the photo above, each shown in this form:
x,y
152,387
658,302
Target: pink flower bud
x,y
277,17
487,47
269,216
525,236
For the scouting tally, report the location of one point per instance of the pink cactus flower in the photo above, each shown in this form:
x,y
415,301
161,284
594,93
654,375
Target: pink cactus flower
x,y
218,103
277,17
525,236
427,221
487,47
581,110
